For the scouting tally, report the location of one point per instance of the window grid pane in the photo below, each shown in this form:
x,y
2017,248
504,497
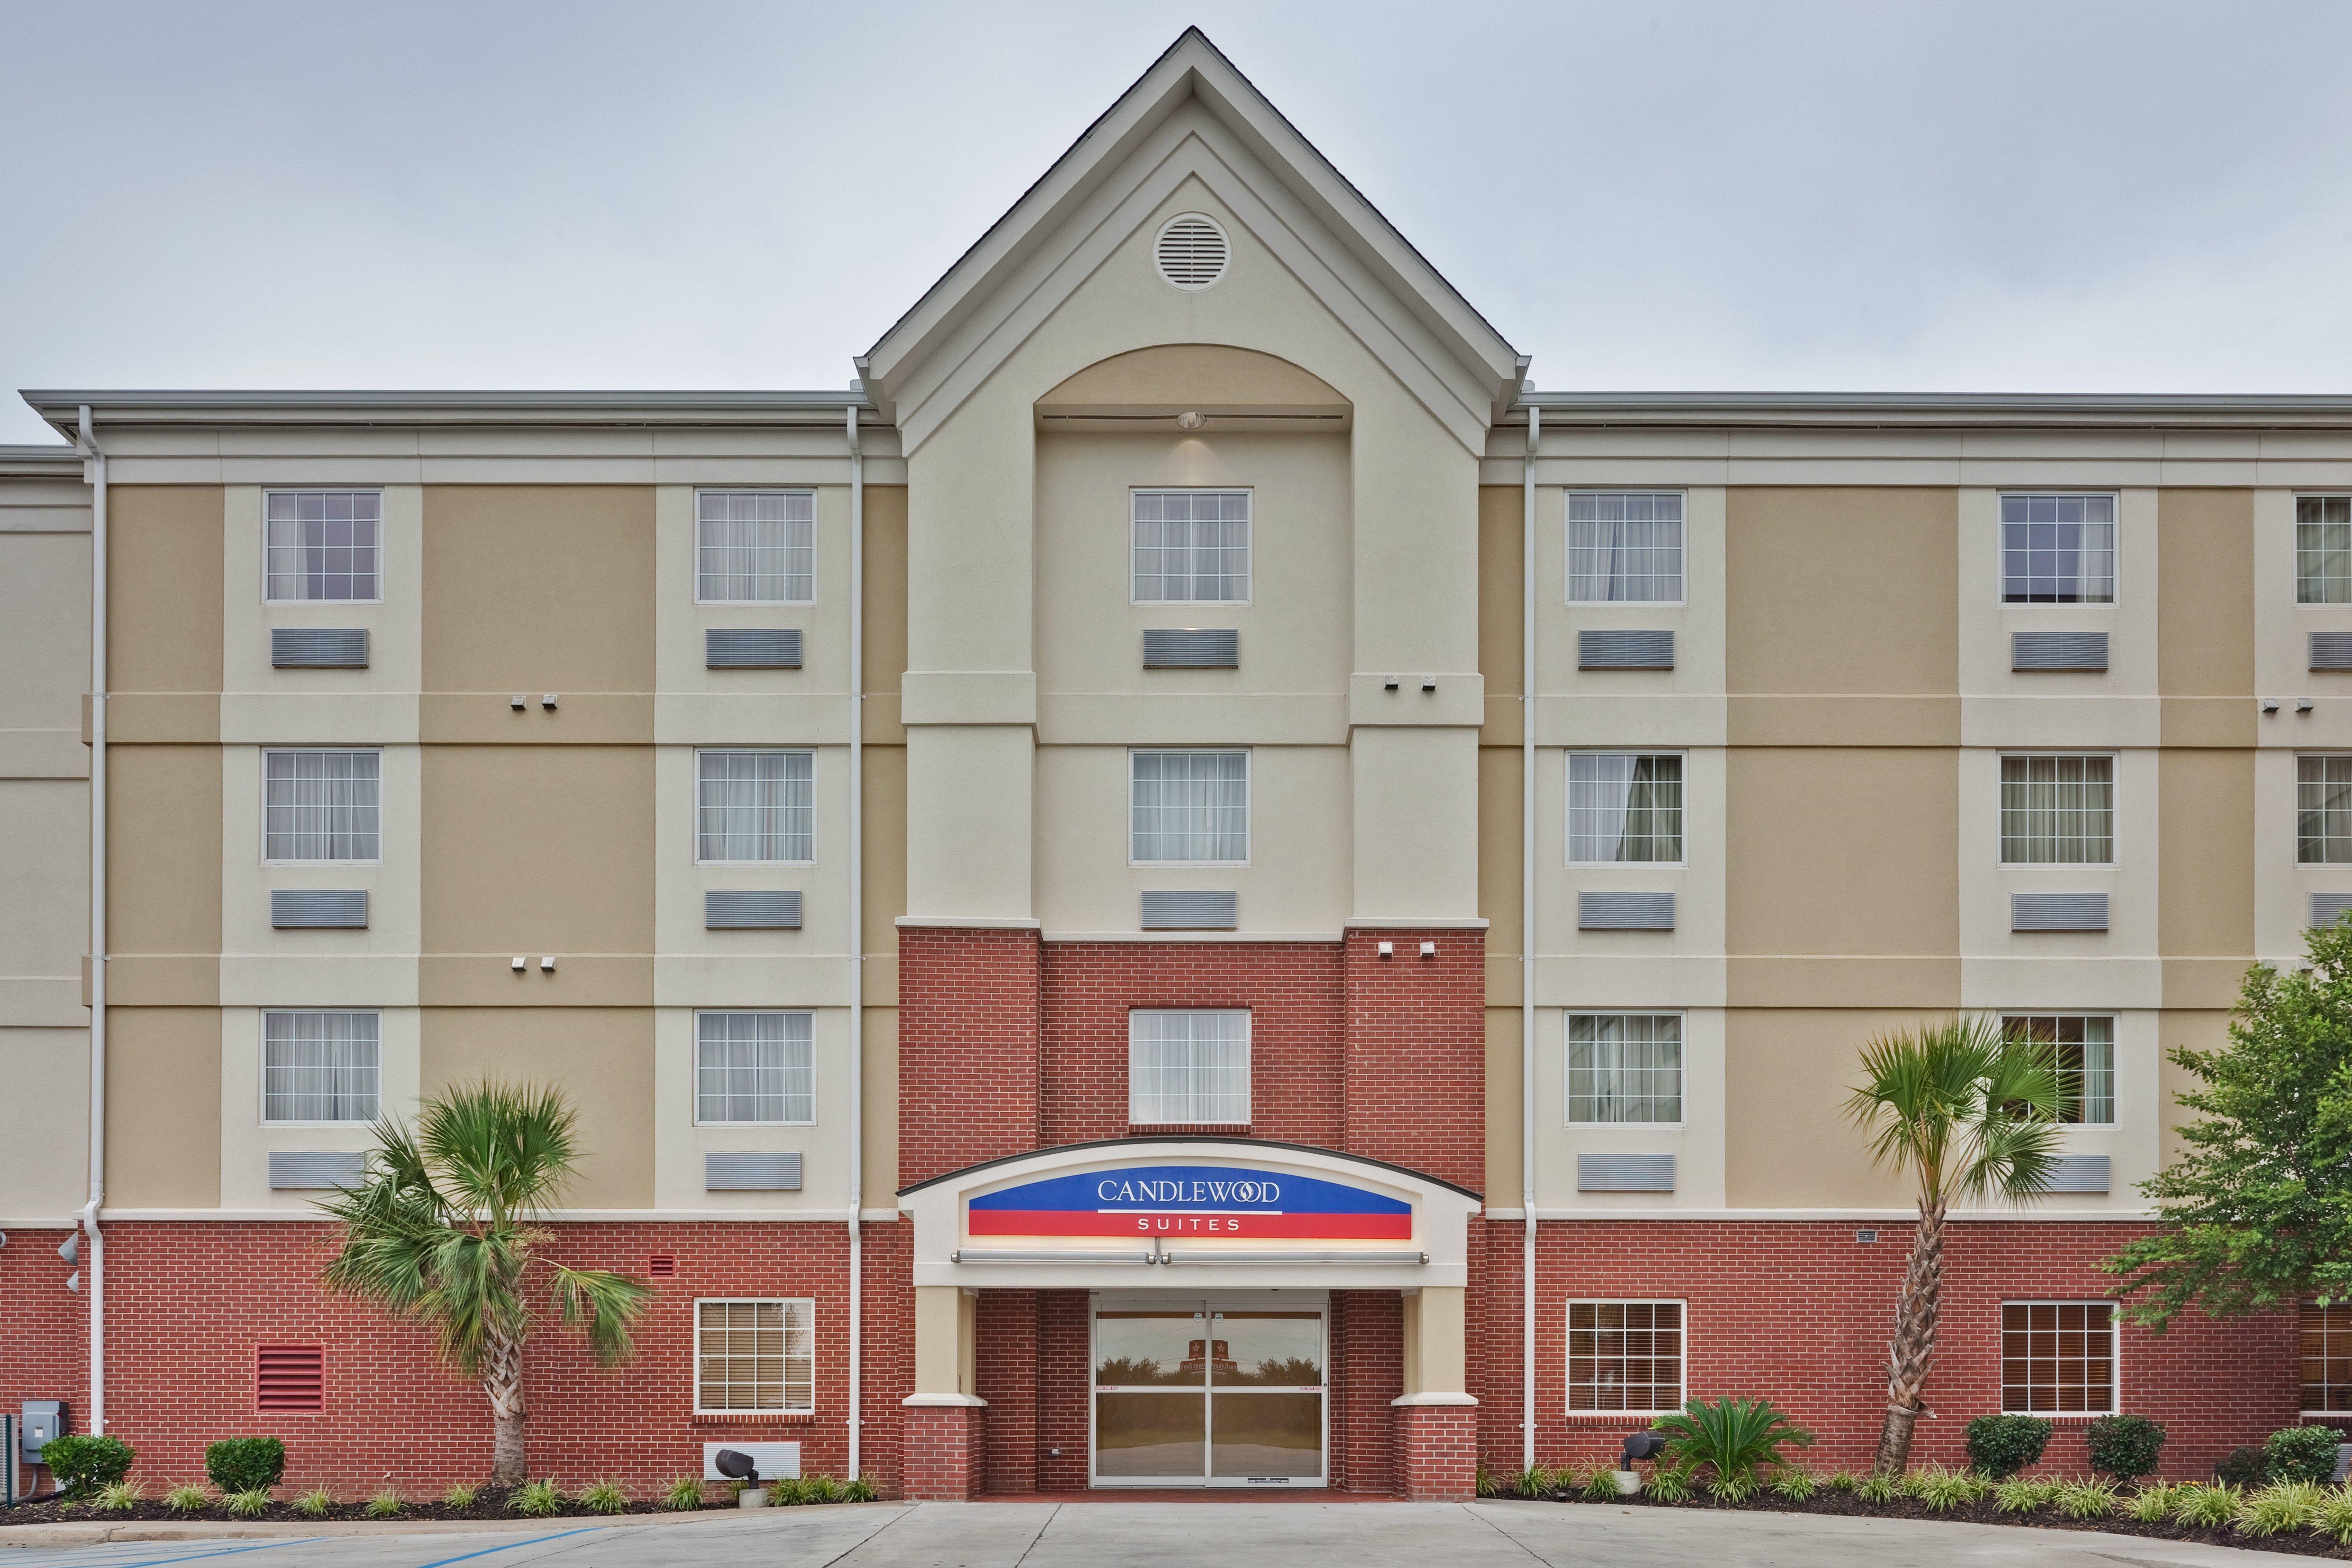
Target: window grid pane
x,y
755,1067
2057,811
319,1066
1625,1067
2323,550
1191,546
1625,547
755,547
1625,1355
1188,1068
1189,806
2327,1356
2058,549
2082,1052
322,806
754,1355
1623,807
323,545
2057,1357
756,805
2323,810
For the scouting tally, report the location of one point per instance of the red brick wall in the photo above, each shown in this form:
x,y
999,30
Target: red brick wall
x,y
1798,1312
1367,1371
1437,1452
1292,991
945,1448
1416,1052
44,1334
1064,1389
1004,1356
968,1004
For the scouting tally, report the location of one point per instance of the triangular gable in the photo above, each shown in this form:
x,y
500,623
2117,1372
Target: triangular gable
x,y
1191,70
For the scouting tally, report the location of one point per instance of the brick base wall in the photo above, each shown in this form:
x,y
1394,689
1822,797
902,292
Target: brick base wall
x,y
1437,1452
946,1445
45,1345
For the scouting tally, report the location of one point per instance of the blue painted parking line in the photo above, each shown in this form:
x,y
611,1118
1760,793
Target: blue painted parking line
x,y
125,1561
514,1545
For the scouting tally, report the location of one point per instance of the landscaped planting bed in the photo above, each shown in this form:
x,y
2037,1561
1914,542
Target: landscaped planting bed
x,y
127,1503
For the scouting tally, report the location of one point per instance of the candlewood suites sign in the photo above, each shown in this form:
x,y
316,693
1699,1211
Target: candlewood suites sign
x,y
1191,1200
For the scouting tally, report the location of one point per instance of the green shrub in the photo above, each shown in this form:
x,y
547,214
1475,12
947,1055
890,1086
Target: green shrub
x,y
2205,1508
250,1503
2301,1453
1795,1483
1601,1484
1842,1481
2000,1446
316,1503
460,1495
2334,1517
1534,1481
2150,1505
1731,1435
1739,1489
1485,1484
1878,1490
683,1494
245,1464
865,1489
2086,1500
2281,1507
2023,1497
2242,1468
185,1498
2124,1447
386,1503
537,1498
82,1463
1943,1489
820,1488
604,1497
1673,1484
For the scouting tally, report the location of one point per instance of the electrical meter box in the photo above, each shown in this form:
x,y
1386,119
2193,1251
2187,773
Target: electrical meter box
x,y
43,1419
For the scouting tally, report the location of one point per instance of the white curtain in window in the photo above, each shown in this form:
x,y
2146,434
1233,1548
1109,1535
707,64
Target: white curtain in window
x,y
2058,810
756,805
1624,806
1191,546
324,544
1191,806
322,806
320,1067
2323,550
2058,549
755,547
1625,547
755,1067
1625,1067
1188,1068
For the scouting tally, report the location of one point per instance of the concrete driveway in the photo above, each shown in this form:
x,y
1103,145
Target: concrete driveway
x,y
1207,1534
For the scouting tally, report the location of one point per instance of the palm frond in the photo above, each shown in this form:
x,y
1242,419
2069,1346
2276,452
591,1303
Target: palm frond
x,y
606,1302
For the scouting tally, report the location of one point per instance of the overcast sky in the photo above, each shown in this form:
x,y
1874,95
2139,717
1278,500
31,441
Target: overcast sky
x,y
2098,197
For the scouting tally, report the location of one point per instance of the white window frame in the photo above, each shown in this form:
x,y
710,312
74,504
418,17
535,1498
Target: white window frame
x,y
694,1369
815,526
2301,758
263,805
2300,497
702,1013
2114,1357
1249,1068
1249,549
375,490
1568,546
2114,813
2115,1060
261,1058
2299,1383
702,751
1249,804
1682,1074
2000,554
1567,1359
1568,803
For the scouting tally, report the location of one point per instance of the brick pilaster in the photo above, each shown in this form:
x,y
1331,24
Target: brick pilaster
x,y
1416,1052
1437,1452
968,1029
947,1448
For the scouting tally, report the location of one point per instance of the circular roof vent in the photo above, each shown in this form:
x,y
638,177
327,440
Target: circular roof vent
x,y
1191,251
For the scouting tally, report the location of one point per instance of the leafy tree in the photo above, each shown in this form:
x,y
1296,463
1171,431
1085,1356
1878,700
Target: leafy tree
x,y
441,1232
1969,1115
2258,1209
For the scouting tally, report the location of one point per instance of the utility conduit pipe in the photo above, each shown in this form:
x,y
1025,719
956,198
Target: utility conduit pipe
x,y
856,941
1527,944
94,1267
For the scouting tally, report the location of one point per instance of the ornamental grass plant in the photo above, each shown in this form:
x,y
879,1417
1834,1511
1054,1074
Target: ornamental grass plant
x,y
386,1503
536,1499
1944,1490
461,1495
1673,1484
1795,1483
2150,1505
250,1503
120,1497
2279,1507
2086,1500
316,1503
2023,1497
2206,1508
186,1497
604,1497
1600,1485
683,1493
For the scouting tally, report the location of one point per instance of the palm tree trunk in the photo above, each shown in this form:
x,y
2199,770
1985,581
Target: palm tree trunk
x,y
1913,1353
502,1386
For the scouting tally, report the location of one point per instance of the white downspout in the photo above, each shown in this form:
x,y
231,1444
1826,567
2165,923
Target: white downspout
x,y
856,941
94,1270
1527,946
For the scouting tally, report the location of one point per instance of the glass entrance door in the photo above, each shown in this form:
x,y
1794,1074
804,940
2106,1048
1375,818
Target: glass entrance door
x,y
1209,1393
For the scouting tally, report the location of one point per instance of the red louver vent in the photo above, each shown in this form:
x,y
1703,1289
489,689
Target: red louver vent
x,y
663,1266
290,1377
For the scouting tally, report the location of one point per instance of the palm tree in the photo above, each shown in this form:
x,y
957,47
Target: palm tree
x,y
1969,1114
440,1232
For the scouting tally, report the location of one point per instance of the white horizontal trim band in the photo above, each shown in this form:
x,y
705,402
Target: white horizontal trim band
x,y
556,1216
1867,1216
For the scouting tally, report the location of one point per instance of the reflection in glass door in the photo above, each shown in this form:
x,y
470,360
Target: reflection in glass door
x,y
1209,1394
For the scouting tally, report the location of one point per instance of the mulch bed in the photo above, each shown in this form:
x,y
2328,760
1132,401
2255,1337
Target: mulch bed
x,y
491,1503
2301,1542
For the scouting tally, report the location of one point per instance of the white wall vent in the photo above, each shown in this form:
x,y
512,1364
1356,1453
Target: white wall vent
x,y
744,908
2079,1173
314,909
2057,912
315,1170
2331,650
2057,650
2326,909
1186,909
1625,911
1624,650
752,1172
1625,1173
1191,251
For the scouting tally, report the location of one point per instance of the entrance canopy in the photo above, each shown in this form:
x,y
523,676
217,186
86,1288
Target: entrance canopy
x,y
1189,1214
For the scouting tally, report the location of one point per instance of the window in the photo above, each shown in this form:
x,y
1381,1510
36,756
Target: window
x,y
1192,547
1624,806
754,1355
1189,807
755,547
755,1067
2058,550
2323,550
321,805
755,806
2327,1358
1625,547
1189,1069
320,1067
2058,810
2058,1356
1625,1355
2323,810
2082,1052
1625,1067
323,545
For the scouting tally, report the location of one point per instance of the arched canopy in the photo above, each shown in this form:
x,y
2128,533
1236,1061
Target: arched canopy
x,y
1229,388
